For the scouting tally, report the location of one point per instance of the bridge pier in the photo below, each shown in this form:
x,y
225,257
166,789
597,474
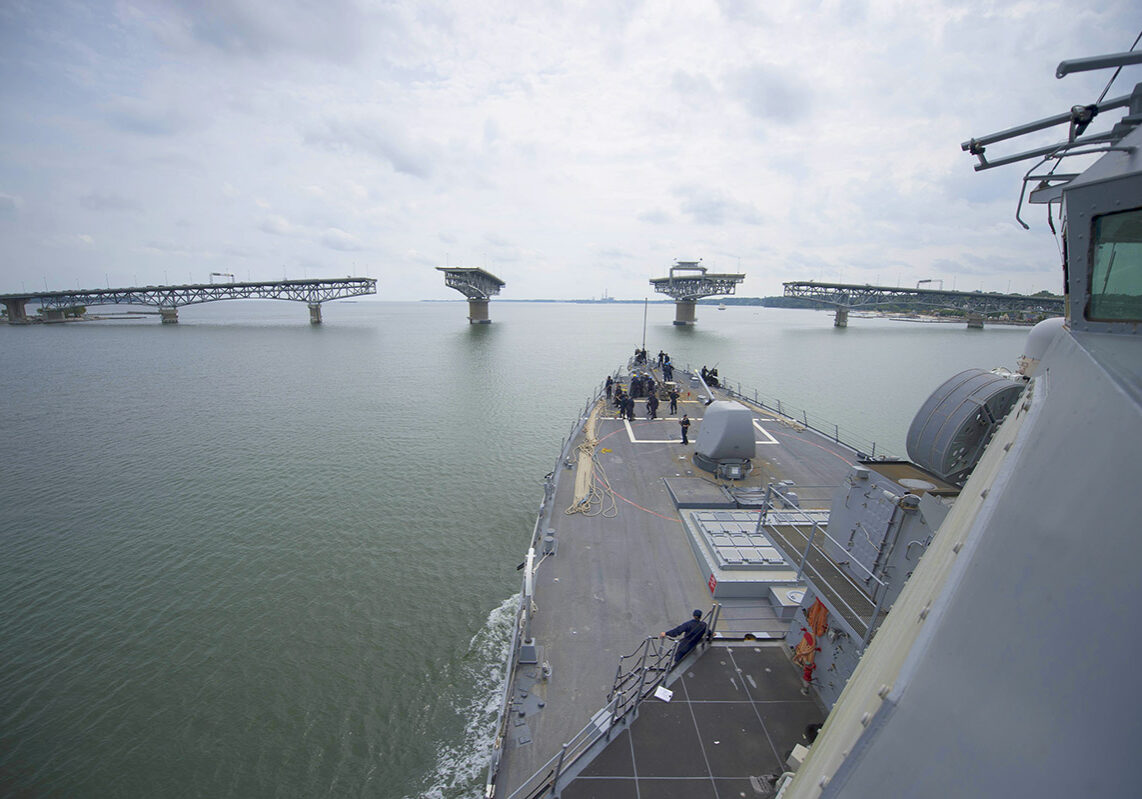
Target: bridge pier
x,y
315,313
17,311
684,312
478,311
842,317
975,321
169,316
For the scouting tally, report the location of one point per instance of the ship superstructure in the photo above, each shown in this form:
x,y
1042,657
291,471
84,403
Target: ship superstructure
x,y
945,625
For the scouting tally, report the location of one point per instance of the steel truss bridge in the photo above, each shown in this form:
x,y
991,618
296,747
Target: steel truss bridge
x,y
973,303
477,285
472,282
687,282
167,299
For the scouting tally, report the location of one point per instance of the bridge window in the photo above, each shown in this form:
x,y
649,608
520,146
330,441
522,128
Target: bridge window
x,y
1116,268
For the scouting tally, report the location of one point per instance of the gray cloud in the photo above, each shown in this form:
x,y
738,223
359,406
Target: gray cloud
x,y
613,253
107,202
746,11
253,129
134,115
276,225
691,84
337,239
770,93
655,216
711,207
170,248
332,30
378,139
10,205
968,263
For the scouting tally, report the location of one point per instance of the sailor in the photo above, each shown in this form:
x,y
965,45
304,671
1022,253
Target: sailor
x,y
684,422
628,407
691,632
652,406
610,385
673,401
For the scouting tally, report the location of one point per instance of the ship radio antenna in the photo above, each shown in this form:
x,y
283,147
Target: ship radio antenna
x,y
645,301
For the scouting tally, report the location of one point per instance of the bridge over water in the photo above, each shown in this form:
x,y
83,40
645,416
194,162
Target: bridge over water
x,y
168,299
478,285
687,282
975,304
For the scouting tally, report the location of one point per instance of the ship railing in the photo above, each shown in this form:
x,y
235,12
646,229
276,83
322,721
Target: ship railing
x,y
638,676
639,673
799,417
522,626
783,507
545,781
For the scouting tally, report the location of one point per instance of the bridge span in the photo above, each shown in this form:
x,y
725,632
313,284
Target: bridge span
x,y
976,305
168,299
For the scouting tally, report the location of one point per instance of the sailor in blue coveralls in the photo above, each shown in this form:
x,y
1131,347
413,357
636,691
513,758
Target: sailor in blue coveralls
x,y
691,632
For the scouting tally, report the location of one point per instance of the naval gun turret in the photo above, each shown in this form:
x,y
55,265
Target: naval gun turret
x,y
688,282
726,444
475,284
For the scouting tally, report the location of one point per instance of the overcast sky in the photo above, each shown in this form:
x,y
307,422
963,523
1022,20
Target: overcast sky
x,y
571,148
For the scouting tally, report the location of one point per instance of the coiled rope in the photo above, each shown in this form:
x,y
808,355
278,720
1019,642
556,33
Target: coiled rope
x,y
593,496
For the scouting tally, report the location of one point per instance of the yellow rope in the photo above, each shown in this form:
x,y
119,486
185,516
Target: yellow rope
x,y
591,497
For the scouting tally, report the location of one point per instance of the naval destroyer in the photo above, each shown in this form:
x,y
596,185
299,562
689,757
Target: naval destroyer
x,y
957,623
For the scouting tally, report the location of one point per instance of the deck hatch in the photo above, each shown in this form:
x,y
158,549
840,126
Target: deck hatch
x,y
735,541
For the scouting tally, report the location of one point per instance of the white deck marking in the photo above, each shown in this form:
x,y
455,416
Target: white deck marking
x,y
767,437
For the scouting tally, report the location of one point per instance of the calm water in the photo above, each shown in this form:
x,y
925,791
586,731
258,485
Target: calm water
x,y
244,556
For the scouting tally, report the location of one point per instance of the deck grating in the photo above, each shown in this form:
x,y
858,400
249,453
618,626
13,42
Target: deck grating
x,y
737,712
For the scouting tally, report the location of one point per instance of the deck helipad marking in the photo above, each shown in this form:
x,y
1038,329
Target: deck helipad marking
x,y
633,440
767,436
769,439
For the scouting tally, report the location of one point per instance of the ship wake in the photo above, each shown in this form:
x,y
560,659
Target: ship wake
x,y
461,768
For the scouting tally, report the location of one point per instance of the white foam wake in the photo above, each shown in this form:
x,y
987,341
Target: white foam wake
x,y
460,771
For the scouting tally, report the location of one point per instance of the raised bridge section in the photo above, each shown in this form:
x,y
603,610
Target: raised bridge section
x,y
975,304
477,285
168,299
687,282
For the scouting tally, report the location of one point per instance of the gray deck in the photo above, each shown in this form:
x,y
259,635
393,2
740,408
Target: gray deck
x,y
734,718
615,581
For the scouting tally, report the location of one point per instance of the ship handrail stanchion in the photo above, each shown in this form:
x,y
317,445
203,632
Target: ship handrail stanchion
x,y
714,615
641,677
558,768
805,554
